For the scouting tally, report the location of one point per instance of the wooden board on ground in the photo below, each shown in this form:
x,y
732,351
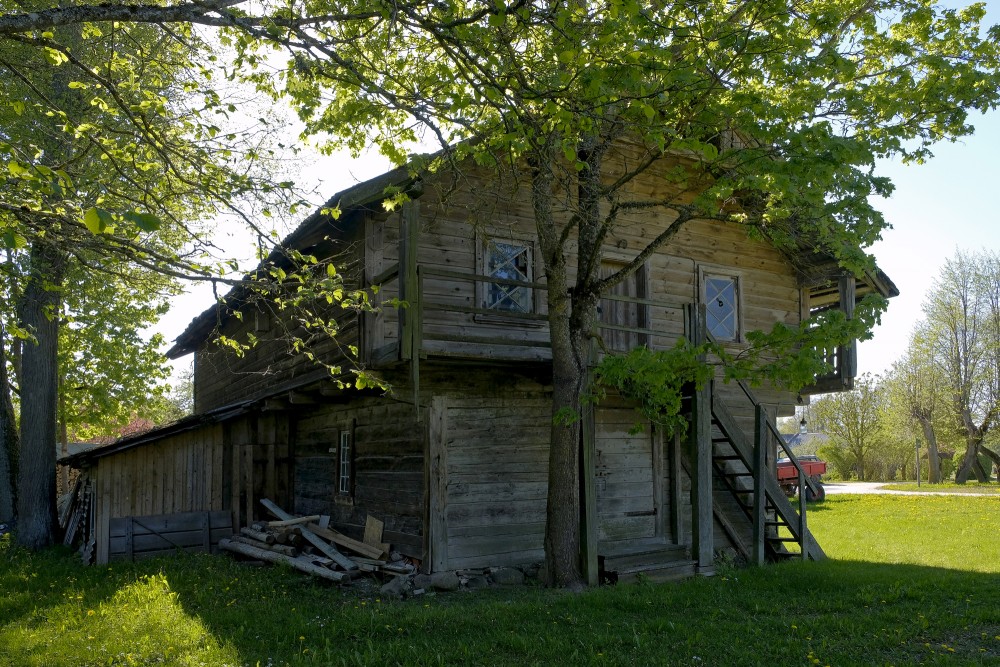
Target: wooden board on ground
x,y
327,549
165,534
373,533
375,552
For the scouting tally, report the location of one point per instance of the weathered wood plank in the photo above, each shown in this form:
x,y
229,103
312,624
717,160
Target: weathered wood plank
x,y
311,537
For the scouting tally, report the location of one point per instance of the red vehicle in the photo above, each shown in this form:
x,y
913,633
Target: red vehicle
x,y
788,476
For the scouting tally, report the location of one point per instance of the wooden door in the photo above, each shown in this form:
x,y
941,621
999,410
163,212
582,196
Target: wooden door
x,y
629,479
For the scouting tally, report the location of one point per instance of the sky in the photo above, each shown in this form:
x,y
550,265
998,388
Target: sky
x,y
947,204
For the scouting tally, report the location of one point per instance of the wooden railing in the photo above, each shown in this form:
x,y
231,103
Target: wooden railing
x,y
418,323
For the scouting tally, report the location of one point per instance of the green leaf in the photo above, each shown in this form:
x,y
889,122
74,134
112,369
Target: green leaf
x,y
98,221
147,222
14,241
55,57
17,169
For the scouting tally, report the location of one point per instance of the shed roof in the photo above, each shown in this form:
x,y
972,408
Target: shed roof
x,y
191,422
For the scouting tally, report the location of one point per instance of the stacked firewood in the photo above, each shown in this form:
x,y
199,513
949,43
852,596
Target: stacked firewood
x,y
307,543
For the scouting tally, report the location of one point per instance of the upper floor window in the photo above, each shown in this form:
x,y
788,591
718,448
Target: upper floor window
x,y
622,309
722,306
508,260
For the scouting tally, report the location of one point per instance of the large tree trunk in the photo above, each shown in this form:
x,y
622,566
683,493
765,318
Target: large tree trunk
x,y
571,317
562,529
8,438
562,515
994,457
970,461
933,457
36,502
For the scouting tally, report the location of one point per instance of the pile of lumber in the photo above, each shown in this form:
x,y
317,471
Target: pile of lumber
x,y
307,543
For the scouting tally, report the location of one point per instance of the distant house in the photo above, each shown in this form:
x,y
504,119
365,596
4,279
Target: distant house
x,y
454,461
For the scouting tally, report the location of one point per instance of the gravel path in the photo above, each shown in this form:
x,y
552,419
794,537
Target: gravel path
x,y
876,487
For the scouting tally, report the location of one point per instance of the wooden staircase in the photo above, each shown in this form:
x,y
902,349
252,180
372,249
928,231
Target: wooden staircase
x,y
653,560
739,465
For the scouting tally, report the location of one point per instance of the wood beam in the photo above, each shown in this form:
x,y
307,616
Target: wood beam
x,y
302,398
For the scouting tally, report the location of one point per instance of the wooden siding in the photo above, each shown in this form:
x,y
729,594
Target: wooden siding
x,y
453,224
388,460
223,377
452,234
493,481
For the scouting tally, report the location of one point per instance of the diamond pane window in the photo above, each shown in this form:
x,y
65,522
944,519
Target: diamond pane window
x,y
721,306
509,261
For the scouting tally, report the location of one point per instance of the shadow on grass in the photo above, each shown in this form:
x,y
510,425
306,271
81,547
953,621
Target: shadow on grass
x,y
837,612
55,611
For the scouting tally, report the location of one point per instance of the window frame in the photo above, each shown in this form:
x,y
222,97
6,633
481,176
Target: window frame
x,y
643,287
707,272
344,488
483,242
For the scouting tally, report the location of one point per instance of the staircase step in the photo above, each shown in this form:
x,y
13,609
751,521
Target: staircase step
x,y
644,557
660,573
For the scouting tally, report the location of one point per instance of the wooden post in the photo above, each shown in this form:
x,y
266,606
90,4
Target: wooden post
x,y
102,512
848,353
588,487
759,466
408,238
702,523
417,323
248,454
803,535
437,484
676,492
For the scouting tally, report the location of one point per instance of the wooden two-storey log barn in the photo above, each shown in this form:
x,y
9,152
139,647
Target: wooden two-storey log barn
x,y
454,459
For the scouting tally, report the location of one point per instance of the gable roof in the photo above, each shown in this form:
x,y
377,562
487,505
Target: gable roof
x,y
311,232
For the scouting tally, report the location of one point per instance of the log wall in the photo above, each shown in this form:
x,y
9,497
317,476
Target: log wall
x,y
388,460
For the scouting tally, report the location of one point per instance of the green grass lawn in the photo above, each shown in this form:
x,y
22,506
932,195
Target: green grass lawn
x,y
912,580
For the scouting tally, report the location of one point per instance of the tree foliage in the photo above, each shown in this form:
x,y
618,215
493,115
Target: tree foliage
x,y
109,145
957,349
918,390
855,421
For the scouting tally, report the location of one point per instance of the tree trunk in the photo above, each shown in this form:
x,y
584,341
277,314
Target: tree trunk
x,y
994,457
36,502
8,439
562,529
970,462
572,314
933,457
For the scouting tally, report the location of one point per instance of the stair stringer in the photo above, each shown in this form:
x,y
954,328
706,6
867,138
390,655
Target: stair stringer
x,y
743,447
